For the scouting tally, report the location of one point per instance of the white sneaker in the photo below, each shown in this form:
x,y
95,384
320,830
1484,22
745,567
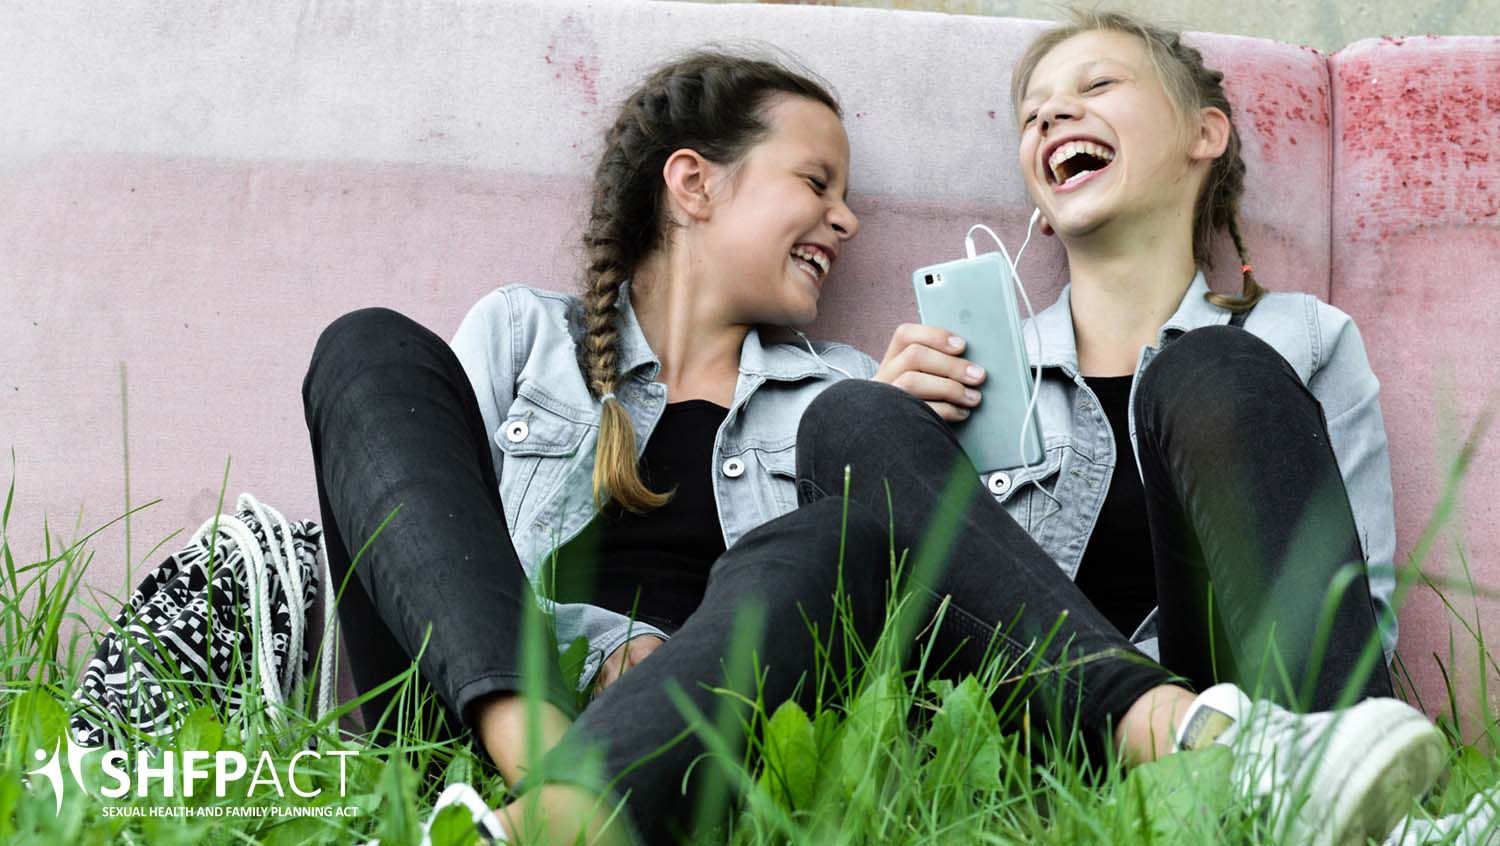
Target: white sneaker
x,y
486,821
1332,778
1476,825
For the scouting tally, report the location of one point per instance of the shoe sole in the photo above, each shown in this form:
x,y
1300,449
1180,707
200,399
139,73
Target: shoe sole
x,y
1399,753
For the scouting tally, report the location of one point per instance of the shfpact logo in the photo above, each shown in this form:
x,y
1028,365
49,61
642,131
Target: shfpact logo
x,y
52,770
182,771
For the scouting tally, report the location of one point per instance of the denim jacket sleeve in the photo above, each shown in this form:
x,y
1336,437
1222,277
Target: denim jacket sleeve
x,y
1349,392
490,344
604,630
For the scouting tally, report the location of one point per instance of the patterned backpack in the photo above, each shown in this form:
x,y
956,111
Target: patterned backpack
x,y
228,609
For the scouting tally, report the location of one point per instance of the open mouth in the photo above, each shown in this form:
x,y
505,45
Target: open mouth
x,y
812,259
1074,161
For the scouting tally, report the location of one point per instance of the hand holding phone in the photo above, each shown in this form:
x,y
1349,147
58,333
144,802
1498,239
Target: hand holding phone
x,y
927,362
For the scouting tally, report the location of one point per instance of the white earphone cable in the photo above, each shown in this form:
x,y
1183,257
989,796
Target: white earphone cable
x,y
828,364
1031,316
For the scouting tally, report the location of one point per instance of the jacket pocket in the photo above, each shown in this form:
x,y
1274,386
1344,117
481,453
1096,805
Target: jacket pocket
x,y
1026,492
780,466
539,438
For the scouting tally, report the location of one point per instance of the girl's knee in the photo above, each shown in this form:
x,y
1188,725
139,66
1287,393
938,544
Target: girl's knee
x,y
1221,371
363,329
850,405
365,337
1211,358
857,422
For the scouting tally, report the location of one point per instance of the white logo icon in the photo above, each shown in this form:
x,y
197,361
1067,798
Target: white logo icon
x,y
52,770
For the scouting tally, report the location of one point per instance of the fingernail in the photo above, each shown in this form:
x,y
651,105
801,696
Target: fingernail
x,y
963,413
971,395
975,371
955,342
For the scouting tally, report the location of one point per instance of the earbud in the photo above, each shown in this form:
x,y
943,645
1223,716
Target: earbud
x,y
1035,213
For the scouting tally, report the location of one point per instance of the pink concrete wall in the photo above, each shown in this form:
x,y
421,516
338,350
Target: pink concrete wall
x,y
194,192
1416,225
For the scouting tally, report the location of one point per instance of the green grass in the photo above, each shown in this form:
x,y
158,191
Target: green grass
x,y
889,755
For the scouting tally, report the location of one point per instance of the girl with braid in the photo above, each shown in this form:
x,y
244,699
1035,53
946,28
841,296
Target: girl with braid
x,y
669,485
597,455
1239,460
1216,484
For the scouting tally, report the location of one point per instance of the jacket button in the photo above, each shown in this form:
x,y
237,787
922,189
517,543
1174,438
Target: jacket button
x,y
999,483
734,468
516,431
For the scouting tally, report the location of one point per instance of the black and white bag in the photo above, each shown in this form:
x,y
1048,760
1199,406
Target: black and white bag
x,y
229,608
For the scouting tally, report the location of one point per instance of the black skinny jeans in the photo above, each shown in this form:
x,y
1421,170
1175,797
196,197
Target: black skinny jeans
x,y
393,422
1250,519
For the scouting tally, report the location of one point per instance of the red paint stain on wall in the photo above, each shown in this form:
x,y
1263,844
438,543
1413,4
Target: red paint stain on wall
x,y
574,55
1279,107
1416,131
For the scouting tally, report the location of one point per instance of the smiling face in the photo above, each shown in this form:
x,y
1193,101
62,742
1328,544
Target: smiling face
x,y
1102,145
778,218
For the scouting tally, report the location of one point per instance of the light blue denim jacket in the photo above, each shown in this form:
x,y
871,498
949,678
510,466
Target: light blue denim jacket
x,y
518,346
1059,499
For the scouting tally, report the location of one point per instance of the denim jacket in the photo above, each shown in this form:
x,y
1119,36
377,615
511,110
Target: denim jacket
x,y
1322,345
519,347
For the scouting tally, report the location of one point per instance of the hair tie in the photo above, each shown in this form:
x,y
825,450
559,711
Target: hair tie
x,y
1245,268
608,396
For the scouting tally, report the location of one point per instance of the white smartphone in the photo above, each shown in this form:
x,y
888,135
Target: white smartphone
x,y
975,298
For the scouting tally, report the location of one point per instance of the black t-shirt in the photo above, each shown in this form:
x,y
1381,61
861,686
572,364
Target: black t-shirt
x,y
1118,574
655,564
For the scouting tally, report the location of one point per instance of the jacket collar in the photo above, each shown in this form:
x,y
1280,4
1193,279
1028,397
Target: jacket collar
x,y
786,362
1059,346
1193,312
634,351
780,362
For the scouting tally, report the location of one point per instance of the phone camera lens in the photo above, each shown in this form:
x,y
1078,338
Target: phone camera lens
x,y
929,279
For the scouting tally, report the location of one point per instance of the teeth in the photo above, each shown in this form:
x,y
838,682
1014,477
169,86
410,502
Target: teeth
x,y
815,256
1074,148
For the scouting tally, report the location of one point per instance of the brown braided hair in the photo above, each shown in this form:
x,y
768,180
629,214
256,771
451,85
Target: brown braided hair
x,y
1191,86
710,101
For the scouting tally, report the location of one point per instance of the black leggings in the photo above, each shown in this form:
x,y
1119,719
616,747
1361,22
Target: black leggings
x,y
394,422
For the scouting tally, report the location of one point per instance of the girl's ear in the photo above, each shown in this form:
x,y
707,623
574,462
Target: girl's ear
x,y
1213,135
686,174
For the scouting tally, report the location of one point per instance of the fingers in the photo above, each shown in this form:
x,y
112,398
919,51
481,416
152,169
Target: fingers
x,y
949,412
910,334
640,647
606,676
925,361
937,376
627,655
938,389
937,356
610,669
